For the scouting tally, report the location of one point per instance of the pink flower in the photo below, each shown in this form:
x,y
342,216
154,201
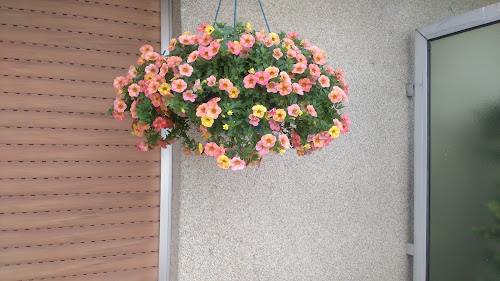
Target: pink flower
x,y
186,39
261,149
118,115
318,141
275,126
188,95
146,48
237,164
253,120
172,44
133,109
247,40
299,68
244,52
293,110
193,56
295,139
204,40
272,112
201,110
225,84
336,94
280,115
163,70
197,85
179,85
272,87
213,48
284,88
268,140
298,89
262,77
260,36
285,77
151,56
211,81
133,90
292,35
204,53
233,48
201,27
118,82
212,149
324,81
306,84
132,71
273,71
249,81
312,111
213,110
319,58
119,105
291,54
268,41
330,70
345,118
314,70
186,69
301,58
143,147
156,99
277,54
160,123
284,141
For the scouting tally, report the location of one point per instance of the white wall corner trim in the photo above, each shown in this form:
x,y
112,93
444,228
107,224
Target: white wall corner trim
x,y
166,166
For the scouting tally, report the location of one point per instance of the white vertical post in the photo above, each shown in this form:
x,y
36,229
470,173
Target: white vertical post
x,y
166,165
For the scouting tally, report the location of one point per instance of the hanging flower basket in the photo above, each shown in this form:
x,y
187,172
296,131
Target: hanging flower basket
x,y
246,93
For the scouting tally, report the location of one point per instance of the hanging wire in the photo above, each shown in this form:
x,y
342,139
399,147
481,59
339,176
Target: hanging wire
x,y
217,13
264,14
235,5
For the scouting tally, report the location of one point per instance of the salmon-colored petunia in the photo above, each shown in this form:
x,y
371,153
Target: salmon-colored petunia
x,y
178,85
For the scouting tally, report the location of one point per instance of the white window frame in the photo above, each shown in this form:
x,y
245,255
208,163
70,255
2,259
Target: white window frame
x,y
474,19
165,234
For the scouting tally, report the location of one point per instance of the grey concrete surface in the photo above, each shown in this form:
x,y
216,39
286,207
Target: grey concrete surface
x,y
341,214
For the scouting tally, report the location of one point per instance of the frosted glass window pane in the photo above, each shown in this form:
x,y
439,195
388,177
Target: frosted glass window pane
x,y
464,154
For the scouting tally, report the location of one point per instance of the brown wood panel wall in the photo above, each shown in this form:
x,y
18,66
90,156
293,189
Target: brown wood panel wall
x,y
78,201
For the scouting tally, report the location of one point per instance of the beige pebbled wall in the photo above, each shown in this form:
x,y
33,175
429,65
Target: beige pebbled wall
x,y
342,214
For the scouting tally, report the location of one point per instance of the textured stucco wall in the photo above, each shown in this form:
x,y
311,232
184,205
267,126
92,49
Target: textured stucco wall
x,y
341,214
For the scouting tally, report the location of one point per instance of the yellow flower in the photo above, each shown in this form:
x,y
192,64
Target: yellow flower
x,y
149,76
249,26
120,91
267,116
223,162
200,148
230,112
164,89
301,42
238,43
282,151
209,29
251,70
334,132
186,33
300,112
259,110
225,126
206,135
207,121
286,47
307,146
183,110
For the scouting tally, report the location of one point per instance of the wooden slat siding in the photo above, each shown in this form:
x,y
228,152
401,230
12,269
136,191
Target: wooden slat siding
x,y
78,24
35,237
78,201
139,274
68,39
62,120
151,5
13,84
67,268
77,56
39,102
17,204
69,153
76,185
59,71
84,217
18,170
91,10
65,136
77,251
